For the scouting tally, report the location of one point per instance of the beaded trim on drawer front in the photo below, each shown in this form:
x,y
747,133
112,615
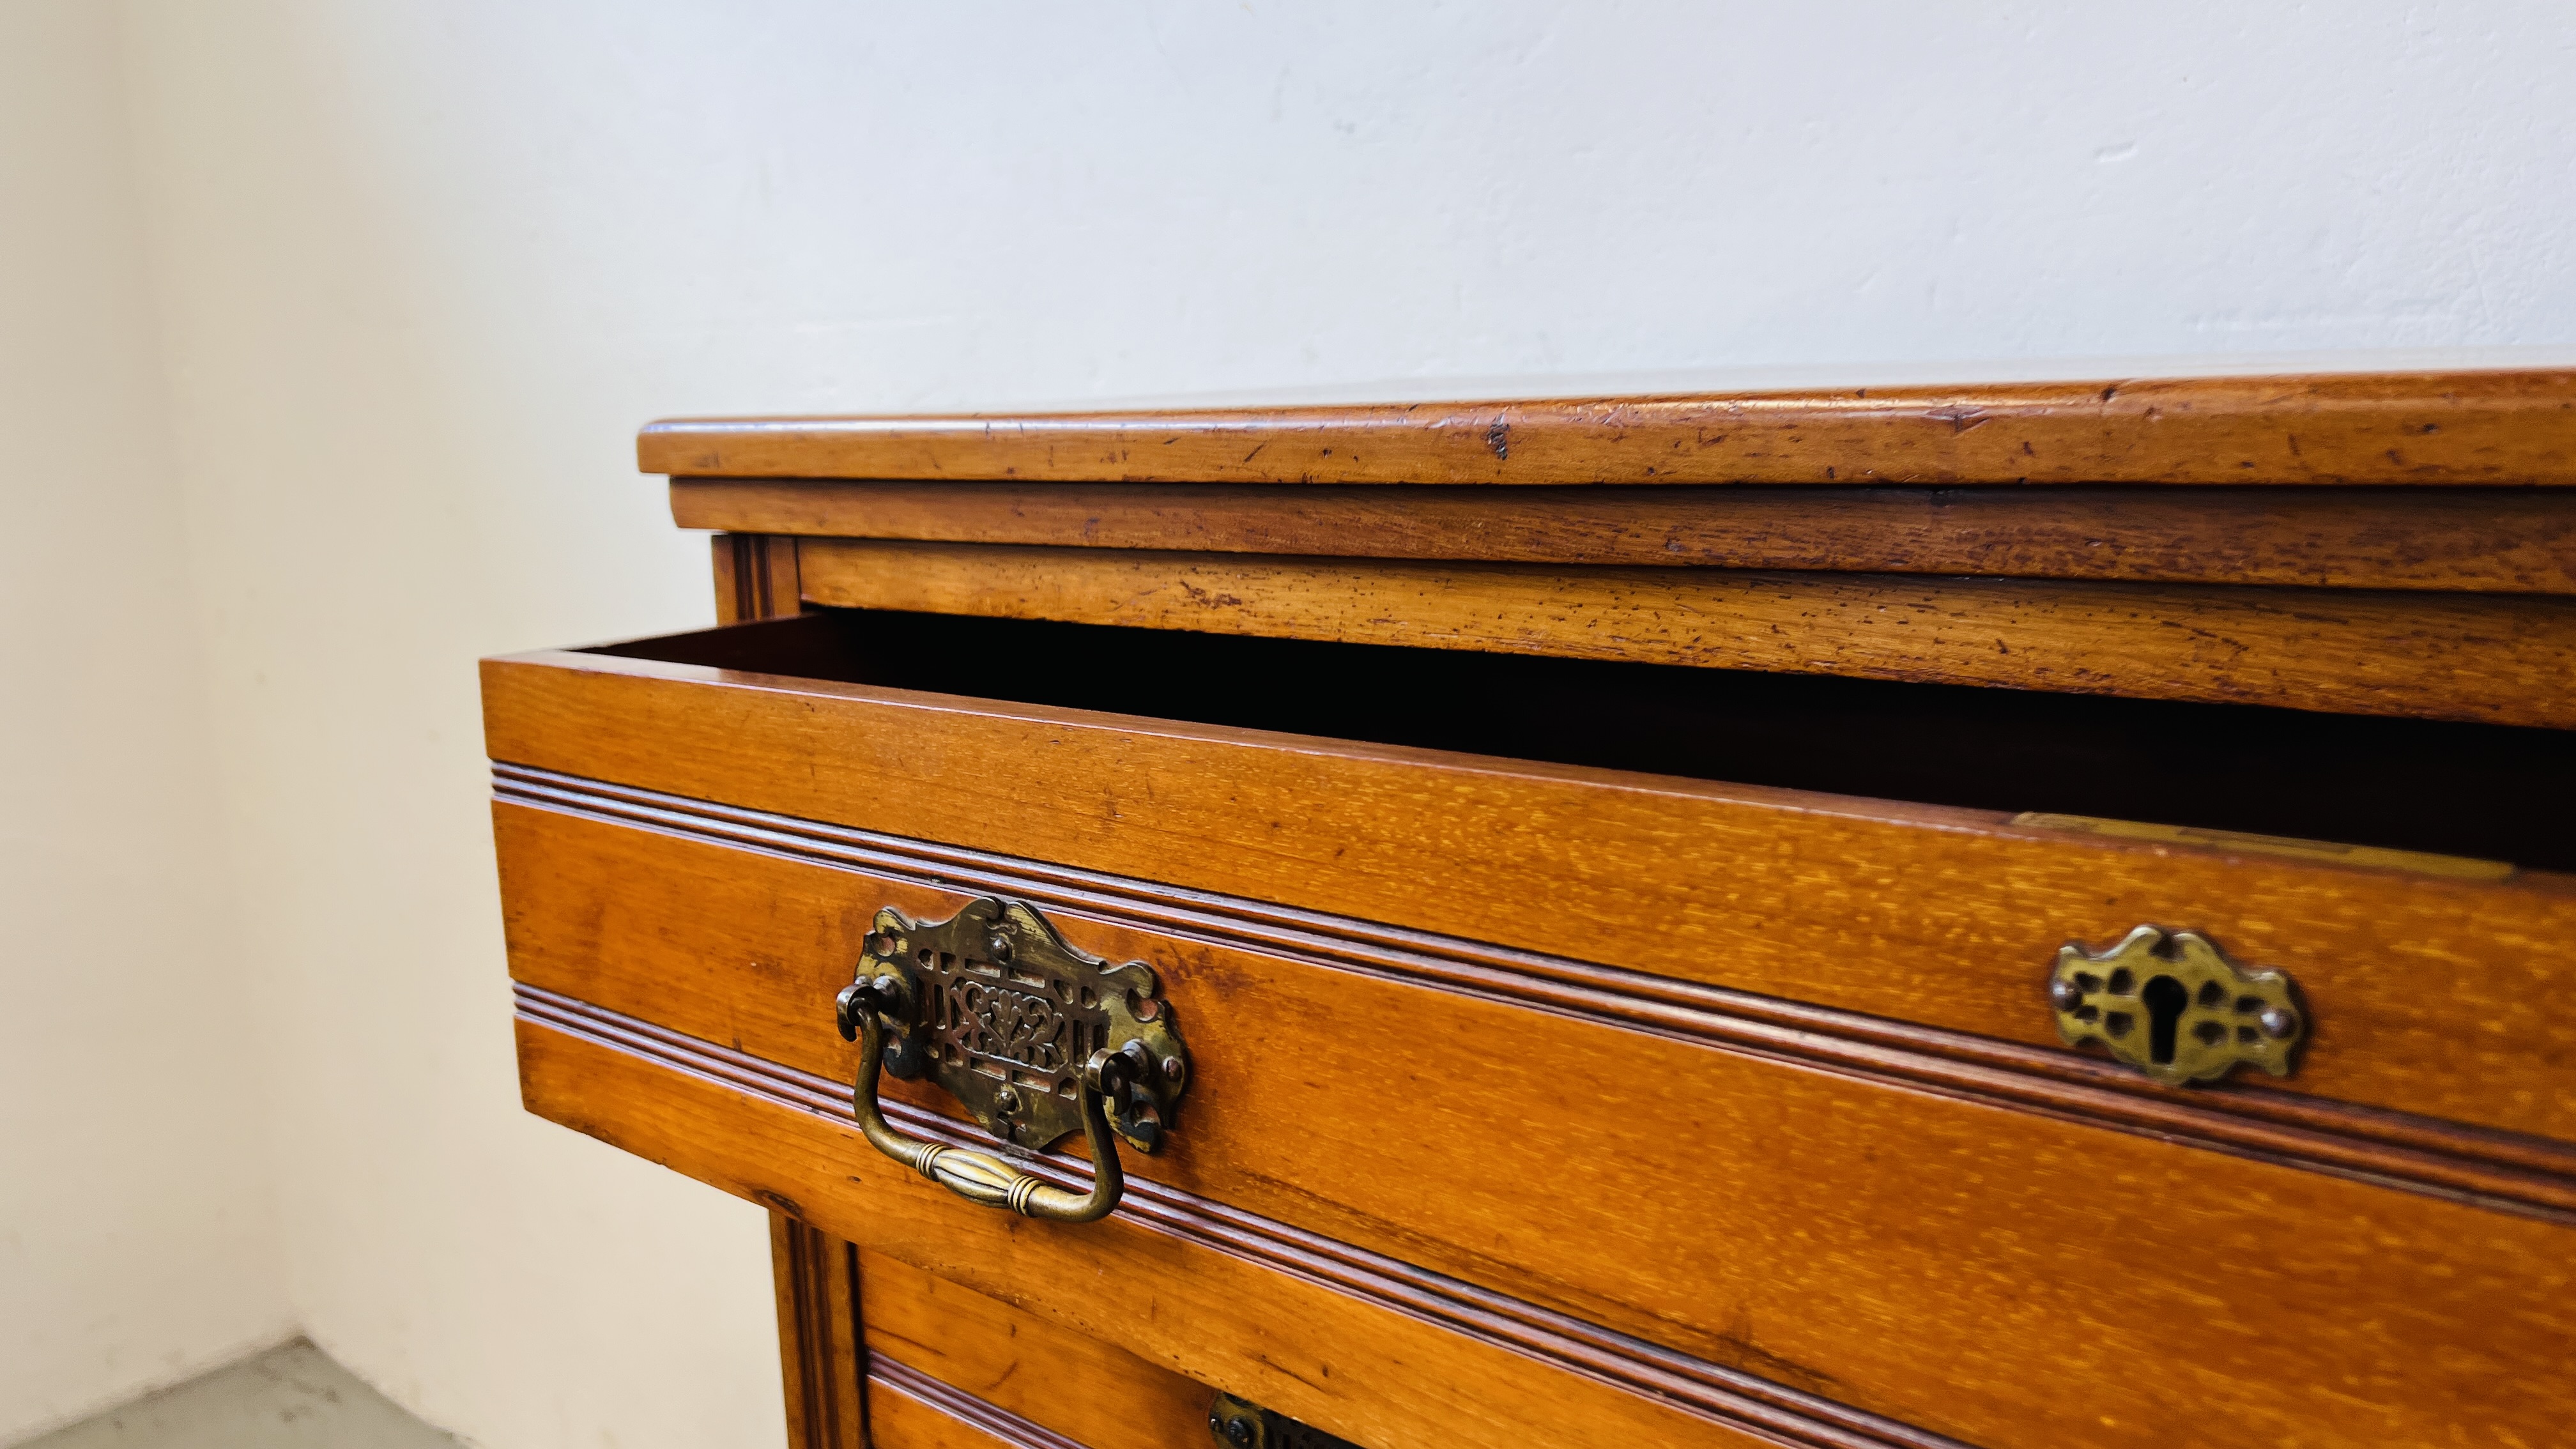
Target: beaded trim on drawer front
x,y
2497,1170
1713,1390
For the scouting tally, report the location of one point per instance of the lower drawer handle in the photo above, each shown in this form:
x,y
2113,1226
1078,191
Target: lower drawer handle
x,y
1035,1039
973,1175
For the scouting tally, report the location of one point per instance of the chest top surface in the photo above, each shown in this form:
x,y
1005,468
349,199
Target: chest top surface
x,y
2513,428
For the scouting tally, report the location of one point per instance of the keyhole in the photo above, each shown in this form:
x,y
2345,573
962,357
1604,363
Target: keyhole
x,y
2165,999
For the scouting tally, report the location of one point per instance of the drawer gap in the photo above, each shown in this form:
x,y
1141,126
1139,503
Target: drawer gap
x,y
2495,792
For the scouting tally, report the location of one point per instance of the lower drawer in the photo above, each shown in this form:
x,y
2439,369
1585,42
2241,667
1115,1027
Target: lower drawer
x,y
1432,1186
883,1354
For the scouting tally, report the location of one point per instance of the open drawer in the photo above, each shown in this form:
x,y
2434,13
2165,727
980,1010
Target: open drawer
x,y
1698,1074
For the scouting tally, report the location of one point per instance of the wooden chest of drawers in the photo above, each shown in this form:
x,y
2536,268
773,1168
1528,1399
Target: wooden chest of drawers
x,y
2015,916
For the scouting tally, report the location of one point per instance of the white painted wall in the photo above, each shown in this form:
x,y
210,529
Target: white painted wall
x,y
425,264
137,1240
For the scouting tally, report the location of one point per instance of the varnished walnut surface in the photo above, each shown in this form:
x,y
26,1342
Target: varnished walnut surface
x,y
1089,1390
1178,1292
2499,427
1890,534
1820,1238
1982,1206
1916,913
2500,659
1871,1210
2470,540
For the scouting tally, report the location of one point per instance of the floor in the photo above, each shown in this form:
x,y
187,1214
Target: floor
x,y
287,1398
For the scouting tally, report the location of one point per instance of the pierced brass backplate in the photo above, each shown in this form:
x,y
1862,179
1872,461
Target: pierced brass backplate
x,y
2171,1004
1004,1015
1242,1425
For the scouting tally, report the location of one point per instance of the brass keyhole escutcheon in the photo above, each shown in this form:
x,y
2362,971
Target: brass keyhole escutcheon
x,y
2171,1004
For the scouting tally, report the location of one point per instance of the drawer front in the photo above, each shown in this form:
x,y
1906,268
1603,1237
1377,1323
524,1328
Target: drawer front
x,y
1352,1343
2446,656
953,1351
1938,918
1605,1109
886,1355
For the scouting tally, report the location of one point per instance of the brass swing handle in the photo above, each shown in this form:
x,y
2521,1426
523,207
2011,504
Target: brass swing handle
x,y
864,1005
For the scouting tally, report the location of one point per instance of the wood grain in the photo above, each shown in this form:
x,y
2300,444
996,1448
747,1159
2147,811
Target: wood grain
x,y
576,860
725,558
755,577
2511,427
912,1410
1365,1370
1085,1388
2446,787
1343,1114
1797,1187
2486,658
812,1276
910,1421
1946,917
2502,540
2282,1337
1493,1320
1772,1170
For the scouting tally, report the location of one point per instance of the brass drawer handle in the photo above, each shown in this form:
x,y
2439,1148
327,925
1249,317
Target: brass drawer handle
x,y
2171,1004
1036,1039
